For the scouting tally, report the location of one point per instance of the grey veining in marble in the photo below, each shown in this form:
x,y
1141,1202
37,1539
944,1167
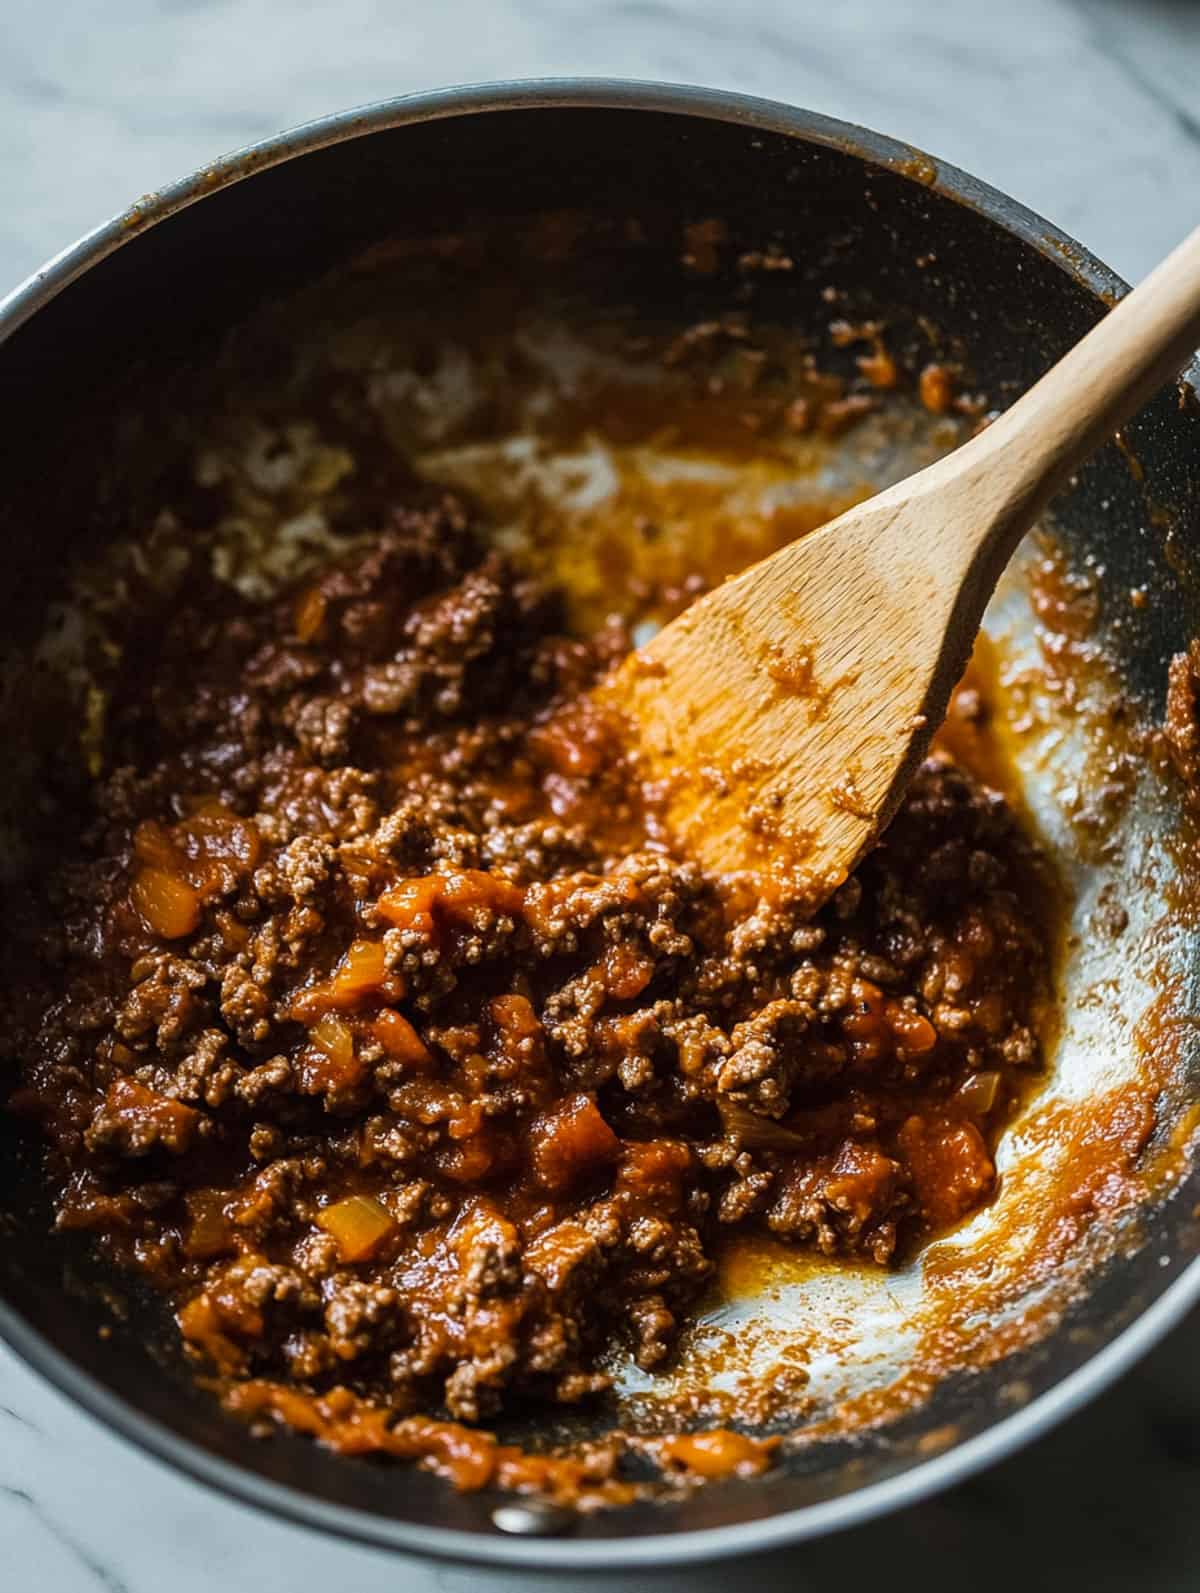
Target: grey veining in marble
x,y
1088,110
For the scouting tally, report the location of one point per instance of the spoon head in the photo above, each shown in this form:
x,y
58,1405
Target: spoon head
x,y
781,715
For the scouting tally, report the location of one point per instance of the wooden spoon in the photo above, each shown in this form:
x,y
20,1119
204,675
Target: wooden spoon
x,y
785,711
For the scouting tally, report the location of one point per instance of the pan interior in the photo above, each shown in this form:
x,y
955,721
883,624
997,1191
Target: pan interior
x,y
523,379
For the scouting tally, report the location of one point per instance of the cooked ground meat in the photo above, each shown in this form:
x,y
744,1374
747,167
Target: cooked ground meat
x,y
373,1016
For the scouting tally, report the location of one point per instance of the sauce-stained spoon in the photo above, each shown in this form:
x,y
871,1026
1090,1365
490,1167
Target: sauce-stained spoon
x,y
784,712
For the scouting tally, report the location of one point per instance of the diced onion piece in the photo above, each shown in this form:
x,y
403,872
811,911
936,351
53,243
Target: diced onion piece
x,y
359,1223
334,1037
363,972
977,1092
167,904
753,1132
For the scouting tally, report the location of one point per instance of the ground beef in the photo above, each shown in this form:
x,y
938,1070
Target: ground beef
x,y
387,1033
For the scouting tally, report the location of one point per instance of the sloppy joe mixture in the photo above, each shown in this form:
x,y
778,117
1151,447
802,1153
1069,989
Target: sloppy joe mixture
x,y
373,1017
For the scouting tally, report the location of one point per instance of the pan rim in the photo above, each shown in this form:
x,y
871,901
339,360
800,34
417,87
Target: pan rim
x,y
658,1549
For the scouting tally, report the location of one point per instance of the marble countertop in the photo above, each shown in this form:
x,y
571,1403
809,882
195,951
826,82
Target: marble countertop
x,y
1088,110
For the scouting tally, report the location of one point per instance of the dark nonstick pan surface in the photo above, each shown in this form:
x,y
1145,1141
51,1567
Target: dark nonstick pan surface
x,y
129,332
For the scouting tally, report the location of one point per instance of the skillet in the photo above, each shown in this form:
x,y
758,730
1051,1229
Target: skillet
x,y
113,349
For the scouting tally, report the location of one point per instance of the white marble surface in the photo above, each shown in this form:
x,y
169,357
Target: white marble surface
x,y
1089,110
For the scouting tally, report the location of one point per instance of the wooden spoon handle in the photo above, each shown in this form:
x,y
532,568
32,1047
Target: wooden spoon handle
x,y
1141,344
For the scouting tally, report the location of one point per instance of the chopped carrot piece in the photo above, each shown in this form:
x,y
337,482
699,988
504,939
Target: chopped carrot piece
x,y
359,1224
167,904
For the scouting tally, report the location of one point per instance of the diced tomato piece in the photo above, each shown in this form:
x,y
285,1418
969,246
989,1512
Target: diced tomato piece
x,y
626,971
936,387
214,834
132,1109
577,897
570,1141
409,905
202,1325
399,1039
515,1015
652,1171
167,905
457,899
470,1160
865,1024
577,742
464,894
950,1165
914,1032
